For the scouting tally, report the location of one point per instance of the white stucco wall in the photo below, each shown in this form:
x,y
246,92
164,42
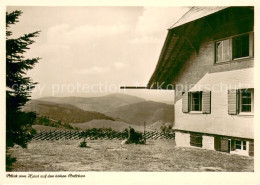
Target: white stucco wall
x,y
182,139
208,142
219,121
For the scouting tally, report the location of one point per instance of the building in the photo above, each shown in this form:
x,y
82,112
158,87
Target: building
x,y
208,58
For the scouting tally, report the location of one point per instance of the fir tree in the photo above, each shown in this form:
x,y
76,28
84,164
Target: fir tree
x,y
18,85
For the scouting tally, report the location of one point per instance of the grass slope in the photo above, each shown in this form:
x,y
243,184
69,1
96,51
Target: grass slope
x,y
63,112
148,111
105,155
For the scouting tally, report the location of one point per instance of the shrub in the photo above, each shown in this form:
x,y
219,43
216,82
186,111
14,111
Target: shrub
x,y
83,144
135,137
68,126
166,130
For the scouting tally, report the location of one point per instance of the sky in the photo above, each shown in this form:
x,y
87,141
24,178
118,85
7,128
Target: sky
x,y
92,51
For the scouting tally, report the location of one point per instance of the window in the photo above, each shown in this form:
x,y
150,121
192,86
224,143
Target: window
x,y
241,101
234,48
196,140
222,50
240,46
240,145
246,100
196,101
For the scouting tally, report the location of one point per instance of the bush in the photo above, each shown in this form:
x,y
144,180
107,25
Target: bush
x,y
68,126
83,144
135,137
166,130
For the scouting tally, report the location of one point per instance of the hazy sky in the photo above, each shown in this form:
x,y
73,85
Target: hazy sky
x,y
91,51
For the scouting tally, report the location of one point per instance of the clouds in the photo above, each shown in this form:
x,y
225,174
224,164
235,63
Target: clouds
x,y
145,40
154,19
154,22
64,33
92,71
120,65
119,45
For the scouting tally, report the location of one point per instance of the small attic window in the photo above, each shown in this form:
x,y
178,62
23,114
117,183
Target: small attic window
x,y
233,48
240,46
223,50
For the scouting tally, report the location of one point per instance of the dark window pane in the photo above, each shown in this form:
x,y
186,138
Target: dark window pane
x,y
246,108
240,46
238,144
246,100
196,107
196,101
244,145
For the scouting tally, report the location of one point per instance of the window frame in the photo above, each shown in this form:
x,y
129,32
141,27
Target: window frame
x,y
231,58
200,102
240,101
222,52
232,45
242,144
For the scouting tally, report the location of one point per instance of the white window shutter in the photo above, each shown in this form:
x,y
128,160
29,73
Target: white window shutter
x,y
232,101
185,102
206,102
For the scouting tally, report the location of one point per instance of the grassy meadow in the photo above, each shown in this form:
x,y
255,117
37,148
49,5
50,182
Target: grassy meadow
x,y
107,155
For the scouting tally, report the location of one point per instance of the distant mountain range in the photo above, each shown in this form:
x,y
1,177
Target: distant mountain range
x,y
117,111
99,104
148,111
63,112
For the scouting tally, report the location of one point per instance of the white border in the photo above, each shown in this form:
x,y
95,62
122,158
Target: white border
x,y
134,177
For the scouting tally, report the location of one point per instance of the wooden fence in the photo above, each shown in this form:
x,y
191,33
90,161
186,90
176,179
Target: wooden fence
x,y
95,135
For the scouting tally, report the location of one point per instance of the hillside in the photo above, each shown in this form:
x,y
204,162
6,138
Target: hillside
x,y
99,104
148,111
64,112
115,125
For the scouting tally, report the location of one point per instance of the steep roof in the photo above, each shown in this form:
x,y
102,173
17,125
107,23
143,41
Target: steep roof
x,y
196,13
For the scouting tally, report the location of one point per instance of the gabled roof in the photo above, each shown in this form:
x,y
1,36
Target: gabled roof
x,y
196,13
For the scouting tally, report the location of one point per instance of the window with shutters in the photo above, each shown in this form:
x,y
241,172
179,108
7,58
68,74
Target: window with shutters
x,y
196,101
241,101
233,48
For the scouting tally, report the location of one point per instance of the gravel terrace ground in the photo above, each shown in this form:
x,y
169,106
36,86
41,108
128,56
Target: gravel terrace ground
x,y
106,155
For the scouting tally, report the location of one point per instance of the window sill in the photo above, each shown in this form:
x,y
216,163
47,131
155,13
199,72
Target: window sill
x,y
195,112
234,60
249,114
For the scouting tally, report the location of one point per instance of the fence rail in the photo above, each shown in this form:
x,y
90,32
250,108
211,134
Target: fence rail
x,y
92,135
